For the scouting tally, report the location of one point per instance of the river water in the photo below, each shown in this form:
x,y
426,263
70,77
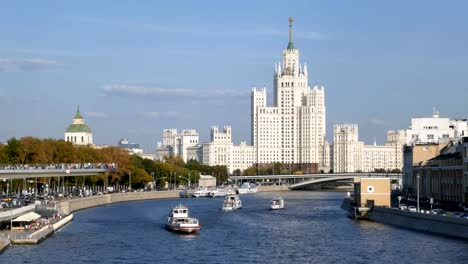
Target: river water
x,y
311,229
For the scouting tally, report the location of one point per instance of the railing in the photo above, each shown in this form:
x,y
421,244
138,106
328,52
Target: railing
x,y
59,166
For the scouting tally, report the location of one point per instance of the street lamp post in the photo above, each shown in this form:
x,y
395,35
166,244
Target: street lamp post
x,y
130,181
154,182
187,178
417,191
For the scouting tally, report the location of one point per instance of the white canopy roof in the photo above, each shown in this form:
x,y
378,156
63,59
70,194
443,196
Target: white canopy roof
x,y
29,217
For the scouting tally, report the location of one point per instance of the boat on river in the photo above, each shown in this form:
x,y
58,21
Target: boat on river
x,y
277,203
178,220
247,188
219,192
201,192
231,203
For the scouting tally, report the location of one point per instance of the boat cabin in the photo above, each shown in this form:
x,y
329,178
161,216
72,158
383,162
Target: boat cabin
x,y
179,211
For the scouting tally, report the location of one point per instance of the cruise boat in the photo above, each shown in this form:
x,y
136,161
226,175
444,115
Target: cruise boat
x,y
247,188
277,203
201,192
220,192
179,221
231,203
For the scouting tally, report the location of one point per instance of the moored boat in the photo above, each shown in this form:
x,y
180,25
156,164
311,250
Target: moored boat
x,y
231,203
247,188
201,192
277,203
179,221
219,192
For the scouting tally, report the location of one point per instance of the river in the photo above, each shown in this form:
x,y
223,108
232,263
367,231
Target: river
x,y
311,229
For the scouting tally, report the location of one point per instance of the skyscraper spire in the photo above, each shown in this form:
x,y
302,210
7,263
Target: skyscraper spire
x,y
290,44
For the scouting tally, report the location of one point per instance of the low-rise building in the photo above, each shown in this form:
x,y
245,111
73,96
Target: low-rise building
x,y
416,155
442,177
207,181
435,129
369,192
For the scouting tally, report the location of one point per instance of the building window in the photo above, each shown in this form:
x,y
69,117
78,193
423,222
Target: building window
x,y
82,139
430,136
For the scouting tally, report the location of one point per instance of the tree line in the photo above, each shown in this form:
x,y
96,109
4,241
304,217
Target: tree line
x,y
30,150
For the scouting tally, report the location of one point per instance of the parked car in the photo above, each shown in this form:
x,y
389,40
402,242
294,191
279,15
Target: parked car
x,y
438,211
403,207
412,208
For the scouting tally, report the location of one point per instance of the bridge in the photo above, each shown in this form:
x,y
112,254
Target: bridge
x,y
304,181
9,172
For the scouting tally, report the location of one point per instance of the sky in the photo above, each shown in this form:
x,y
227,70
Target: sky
x,y
138,67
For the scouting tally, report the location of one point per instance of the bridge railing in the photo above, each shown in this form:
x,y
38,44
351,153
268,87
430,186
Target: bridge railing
x,y
58,166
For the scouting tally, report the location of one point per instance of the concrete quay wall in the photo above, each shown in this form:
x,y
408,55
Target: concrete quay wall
x,y
435,224
4,243
272,188
69,206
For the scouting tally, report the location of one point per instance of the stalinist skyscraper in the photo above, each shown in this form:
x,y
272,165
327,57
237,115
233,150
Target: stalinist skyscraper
x,y
293,129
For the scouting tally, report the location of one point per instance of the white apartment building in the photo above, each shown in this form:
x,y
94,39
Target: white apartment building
x,y
221,151
435,129
184,144
347,149
292,130
218,151
351,155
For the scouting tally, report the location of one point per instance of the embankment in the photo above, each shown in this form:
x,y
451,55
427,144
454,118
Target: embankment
x,y
273,188
69,206
456,227
435,224
4,243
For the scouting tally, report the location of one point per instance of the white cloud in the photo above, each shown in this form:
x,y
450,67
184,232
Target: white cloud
x,y
159,115
309,35
97,114
27,64
376,121
171,29
141,91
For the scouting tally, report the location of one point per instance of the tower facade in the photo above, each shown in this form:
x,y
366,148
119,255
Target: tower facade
x,y
292,130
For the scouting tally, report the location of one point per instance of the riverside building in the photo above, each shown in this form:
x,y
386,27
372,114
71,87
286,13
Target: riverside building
x,y
292,130
435,129
186,145
78,132
352,155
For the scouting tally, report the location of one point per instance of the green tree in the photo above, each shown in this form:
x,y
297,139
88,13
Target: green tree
x,y
13,149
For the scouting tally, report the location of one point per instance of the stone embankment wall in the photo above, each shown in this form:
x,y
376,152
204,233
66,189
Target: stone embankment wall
x,y
69,206
435,224
4,243
273,188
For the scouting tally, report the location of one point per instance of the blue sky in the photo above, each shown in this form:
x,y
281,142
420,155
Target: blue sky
x,y
137,67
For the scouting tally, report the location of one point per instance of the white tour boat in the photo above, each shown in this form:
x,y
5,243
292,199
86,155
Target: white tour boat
x,y
248,188
179,221
231,203
201,192
220,192
277,203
